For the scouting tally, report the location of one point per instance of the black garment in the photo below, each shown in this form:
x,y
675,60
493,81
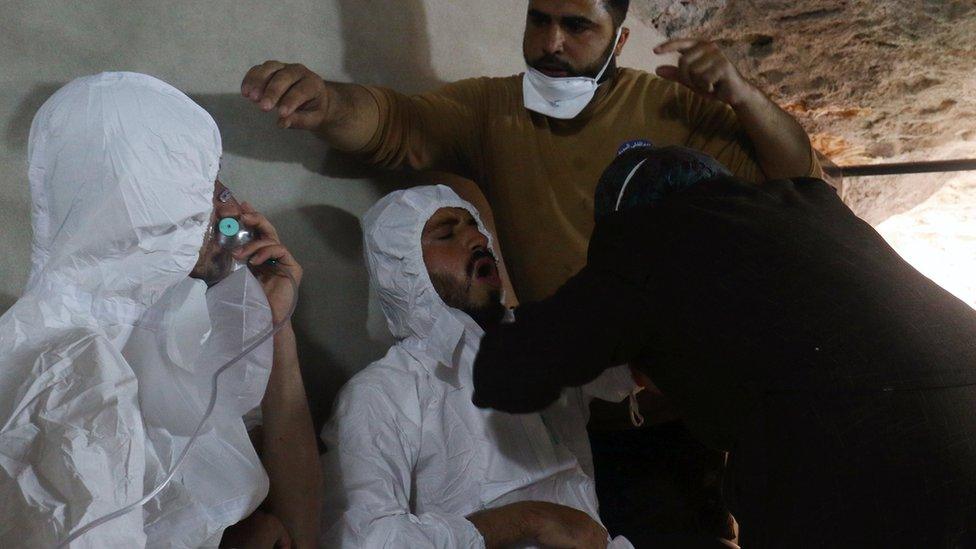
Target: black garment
x,y
660,487
787,331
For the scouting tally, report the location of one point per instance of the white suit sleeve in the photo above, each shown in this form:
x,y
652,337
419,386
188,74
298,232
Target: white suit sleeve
x,y
613,385
372,444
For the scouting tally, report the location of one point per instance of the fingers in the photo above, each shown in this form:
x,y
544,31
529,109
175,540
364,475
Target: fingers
x,y
713,78
284,540
279,84
300,120
257,78
258,252
701,74
678,45
701,65
684,72
295,92
271,251
668,72
259,530
598,538
287,87
267,245
692,59
255,220
277,534
306,90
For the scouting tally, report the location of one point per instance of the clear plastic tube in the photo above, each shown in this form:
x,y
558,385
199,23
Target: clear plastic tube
x,y
80,531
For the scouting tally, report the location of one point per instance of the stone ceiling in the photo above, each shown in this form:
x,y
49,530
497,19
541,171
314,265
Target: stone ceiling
x,y
870,80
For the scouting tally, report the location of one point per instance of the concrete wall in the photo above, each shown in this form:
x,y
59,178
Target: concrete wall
x,y
315,197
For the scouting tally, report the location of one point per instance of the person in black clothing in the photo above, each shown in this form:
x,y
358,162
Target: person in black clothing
x,y
787,332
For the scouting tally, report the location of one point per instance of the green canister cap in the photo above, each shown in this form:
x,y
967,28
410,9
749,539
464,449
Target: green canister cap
x,y
229,226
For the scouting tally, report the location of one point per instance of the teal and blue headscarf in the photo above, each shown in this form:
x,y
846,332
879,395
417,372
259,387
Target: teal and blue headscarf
x,y
645,174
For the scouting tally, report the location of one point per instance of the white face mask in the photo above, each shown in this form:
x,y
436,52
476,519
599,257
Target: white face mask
x,y
565,97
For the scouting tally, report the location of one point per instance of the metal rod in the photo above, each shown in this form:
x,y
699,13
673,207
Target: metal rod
x,y
901,168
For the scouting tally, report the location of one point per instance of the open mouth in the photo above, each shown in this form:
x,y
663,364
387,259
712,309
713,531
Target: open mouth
x,y
553,67
485,270
554,72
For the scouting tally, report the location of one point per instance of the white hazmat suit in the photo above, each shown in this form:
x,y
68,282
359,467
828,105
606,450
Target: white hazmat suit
x,y
408,455
106,359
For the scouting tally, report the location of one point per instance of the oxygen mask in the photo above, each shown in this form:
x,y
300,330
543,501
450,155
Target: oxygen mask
x,y
226,236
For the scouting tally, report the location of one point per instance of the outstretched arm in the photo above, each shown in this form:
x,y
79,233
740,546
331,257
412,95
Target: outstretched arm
x,y
437,130
345,115
782,146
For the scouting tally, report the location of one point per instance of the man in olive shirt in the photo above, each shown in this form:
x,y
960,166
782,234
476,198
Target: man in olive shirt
x,y
538,172
537,143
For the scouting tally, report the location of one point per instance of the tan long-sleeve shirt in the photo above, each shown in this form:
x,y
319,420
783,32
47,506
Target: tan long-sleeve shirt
x,y
539,173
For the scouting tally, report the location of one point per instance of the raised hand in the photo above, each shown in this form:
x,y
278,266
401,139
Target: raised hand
x,y
299,95
267,246
704,69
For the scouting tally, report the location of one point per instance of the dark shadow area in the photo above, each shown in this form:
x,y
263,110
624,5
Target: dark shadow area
x,y
660,487
15,247
334,301
18,128
249,132
321,376
6,302
386,44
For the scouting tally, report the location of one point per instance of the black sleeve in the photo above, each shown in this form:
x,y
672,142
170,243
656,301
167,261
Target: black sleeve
x,y
593,322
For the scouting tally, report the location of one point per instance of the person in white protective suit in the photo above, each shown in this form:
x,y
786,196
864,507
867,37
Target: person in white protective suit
x,y
410,461
107,360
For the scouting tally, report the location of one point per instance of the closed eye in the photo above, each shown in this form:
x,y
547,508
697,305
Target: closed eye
x,y
576,25
538,19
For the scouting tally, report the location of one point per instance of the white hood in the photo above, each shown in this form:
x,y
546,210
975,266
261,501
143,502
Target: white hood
x,y
416,315
122,169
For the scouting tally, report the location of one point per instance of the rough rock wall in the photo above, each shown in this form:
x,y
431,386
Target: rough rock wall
x,y
870,80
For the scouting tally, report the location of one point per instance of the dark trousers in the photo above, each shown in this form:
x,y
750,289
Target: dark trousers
x,y
660,487
869,470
